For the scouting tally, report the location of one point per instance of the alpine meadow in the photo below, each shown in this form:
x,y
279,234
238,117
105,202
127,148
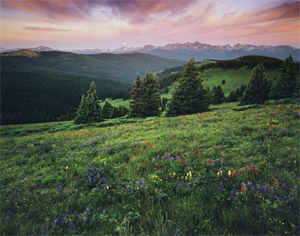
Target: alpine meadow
x,y
122,123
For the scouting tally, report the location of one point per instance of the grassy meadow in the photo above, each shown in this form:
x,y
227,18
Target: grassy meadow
x,y
220,172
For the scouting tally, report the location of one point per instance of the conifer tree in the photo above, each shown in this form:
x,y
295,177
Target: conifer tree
x,y
136,96
257,90
107,110
218,96
189,96
150,96
286,85
89,109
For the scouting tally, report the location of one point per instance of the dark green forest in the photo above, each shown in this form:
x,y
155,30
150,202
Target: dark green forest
x,y
113,66
32,98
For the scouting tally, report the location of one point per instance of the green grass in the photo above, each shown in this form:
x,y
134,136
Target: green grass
x,y
234,78
190,165
119,102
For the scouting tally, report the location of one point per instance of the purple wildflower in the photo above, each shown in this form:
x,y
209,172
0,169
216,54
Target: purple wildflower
x,y
283,186
71,225
295,188
87,210
104,212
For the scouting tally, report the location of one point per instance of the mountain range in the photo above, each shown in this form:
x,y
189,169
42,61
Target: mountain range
x,y
184,51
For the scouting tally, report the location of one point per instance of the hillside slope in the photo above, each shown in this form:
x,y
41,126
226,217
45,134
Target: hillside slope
x,y
121,67
29,97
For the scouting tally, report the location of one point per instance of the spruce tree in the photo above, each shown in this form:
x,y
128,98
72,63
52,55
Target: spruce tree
x,y
189,96
136,97
218,96
150,96
257,90
89,109
286,85
107,110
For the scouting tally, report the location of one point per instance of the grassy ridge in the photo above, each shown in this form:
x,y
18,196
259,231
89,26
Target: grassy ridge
x,y
219,172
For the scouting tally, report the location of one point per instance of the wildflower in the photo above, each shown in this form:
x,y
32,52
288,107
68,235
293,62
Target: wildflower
x,y
283,186
137,183
87,210
43,231
71,225
244,188
295,188
104,212
221,184
55,222
75,213
237,194
176,232
229,173
257,187
7,220
84,219
231,193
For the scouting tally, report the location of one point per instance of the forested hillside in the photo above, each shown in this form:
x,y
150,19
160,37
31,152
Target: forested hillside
x,y
31,98
121,67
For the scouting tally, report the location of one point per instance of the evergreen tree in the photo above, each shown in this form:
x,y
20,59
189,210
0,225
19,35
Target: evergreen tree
x,y
257,90
189,96
150,96
136,96
286,85
116,112
107,110
218,97
89,109
232,97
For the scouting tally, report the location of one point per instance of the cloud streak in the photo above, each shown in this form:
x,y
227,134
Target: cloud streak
x,y
46,29
135,10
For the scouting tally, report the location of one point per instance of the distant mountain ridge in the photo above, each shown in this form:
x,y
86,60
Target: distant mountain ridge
x,y
184,51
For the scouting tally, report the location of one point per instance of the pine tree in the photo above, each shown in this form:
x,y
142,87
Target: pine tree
x,y
136,96
189,96
257,90
286,85
218,96
107,109
150,96
89,109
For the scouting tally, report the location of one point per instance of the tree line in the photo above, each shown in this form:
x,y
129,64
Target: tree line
x,y
33,98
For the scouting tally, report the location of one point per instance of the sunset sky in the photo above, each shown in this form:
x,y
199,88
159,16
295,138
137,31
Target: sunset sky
x,y
111,24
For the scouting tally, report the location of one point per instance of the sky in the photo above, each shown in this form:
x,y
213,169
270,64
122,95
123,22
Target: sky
x,y
111,24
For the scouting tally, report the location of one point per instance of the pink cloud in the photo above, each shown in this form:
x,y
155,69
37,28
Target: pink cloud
x,y
135,11
46,29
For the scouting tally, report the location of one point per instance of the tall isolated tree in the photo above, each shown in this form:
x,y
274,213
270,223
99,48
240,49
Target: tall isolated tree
x,y
286,85
150,96
257,90
136,97
189,96
218,96
107,110
89,110
145,97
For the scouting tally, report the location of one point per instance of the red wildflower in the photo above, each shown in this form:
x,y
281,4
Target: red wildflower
x,y
255,169
203,163
180,160
244,188
212,161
